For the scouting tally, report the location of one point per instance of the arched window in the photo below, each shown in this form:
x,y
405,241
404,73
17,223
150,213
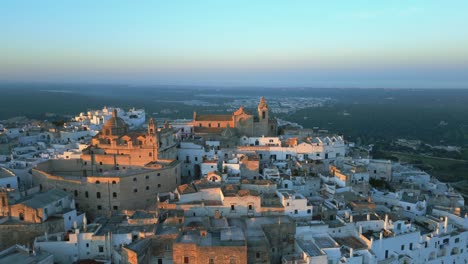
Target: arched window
x,y
21,216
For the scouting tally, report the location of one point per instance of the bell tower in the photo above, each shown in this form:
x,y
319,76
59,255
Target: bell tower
x,y
262,110
151,127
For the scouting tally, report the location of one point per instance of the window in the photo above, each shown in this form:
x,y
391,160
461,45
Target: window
x,y
308,211
100,163
250,207
147,177
211,261
159,185
159,174
98,195
86,194
3,201
134,179
219,125
295,211
98,182
186,259
147,188
402,247
386,253
101,249
87,245
408,208
160,261
232,207
209,124
115,207
114,194
150,154
232,260
76,193
135,190
257,254
99,207
410,246
196,158
457,240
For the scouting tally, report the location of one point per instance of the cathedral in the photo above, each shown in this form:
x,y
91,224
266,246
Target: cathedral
x,y
240,122
116,144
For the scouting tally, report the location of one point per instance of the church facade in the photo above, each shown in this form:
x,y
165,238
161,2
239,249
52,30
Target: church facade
x,y
244,124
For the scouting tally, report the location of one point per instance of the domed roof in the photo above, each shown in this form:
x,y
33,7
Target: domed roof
x,y
116,125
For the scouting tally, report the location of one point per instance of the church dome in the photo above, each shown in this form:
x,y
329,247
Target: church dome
x,y
115,126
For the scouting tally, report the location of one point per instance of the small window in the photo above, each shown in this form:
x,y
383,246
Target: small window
x,y
101,249
402,247
186,260
114,194
114,182
99,207
86,194
147,177
257,254
100,163
211,261
159,185
147,188
76,193
159,174
295,211
87,245
98,195
115,207
134,179
98,182
232,207
135,190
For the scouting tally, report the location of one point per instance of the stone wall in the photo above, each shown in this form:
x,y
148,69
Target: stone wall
x,y
24,234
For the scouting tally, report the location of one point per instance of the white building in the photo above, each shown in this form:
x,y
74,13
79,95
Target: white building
x,y
8,178
133,117
295,204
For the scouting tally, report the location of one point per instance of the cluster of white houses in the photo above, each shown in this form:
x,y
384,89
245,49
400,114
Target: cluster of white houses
x,y
222,189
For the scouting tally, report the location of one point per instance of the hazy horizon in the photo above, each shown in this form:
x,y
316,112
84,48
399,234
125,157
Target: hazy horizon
x,y
397,44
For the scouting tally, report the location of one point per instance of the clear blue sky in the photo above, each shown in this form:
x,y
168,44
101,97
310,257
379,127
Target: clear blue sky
x,y
269,43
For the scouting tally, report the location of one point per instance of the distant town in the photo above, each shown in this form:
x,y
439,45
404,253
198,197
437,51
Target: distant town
x,y
233,185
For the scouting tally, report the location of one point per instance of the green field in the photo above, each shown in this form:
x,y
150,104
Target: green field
x,y
445,169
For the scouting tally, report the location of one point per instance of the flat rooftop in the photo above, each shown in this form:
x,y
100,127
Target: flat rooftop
x,y
310,248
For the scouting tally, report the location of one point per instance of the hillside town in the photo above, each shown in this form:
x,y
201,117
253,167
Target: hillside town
x,y
118,186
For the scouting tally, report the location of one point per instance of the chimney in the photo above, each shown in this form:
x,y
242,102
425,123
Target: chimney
x,y
386,222
446,224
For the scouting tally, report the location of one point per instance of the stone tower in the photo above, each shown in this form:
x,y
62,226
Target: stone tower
x,y
263,117
151,127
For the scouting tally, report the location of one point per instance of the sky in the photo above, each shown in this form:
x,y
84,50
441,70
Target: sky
x,y
387,44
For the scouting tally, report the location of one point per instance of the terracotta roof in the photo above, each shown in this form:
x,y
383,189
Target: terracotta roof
x,y
213,118
186,189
